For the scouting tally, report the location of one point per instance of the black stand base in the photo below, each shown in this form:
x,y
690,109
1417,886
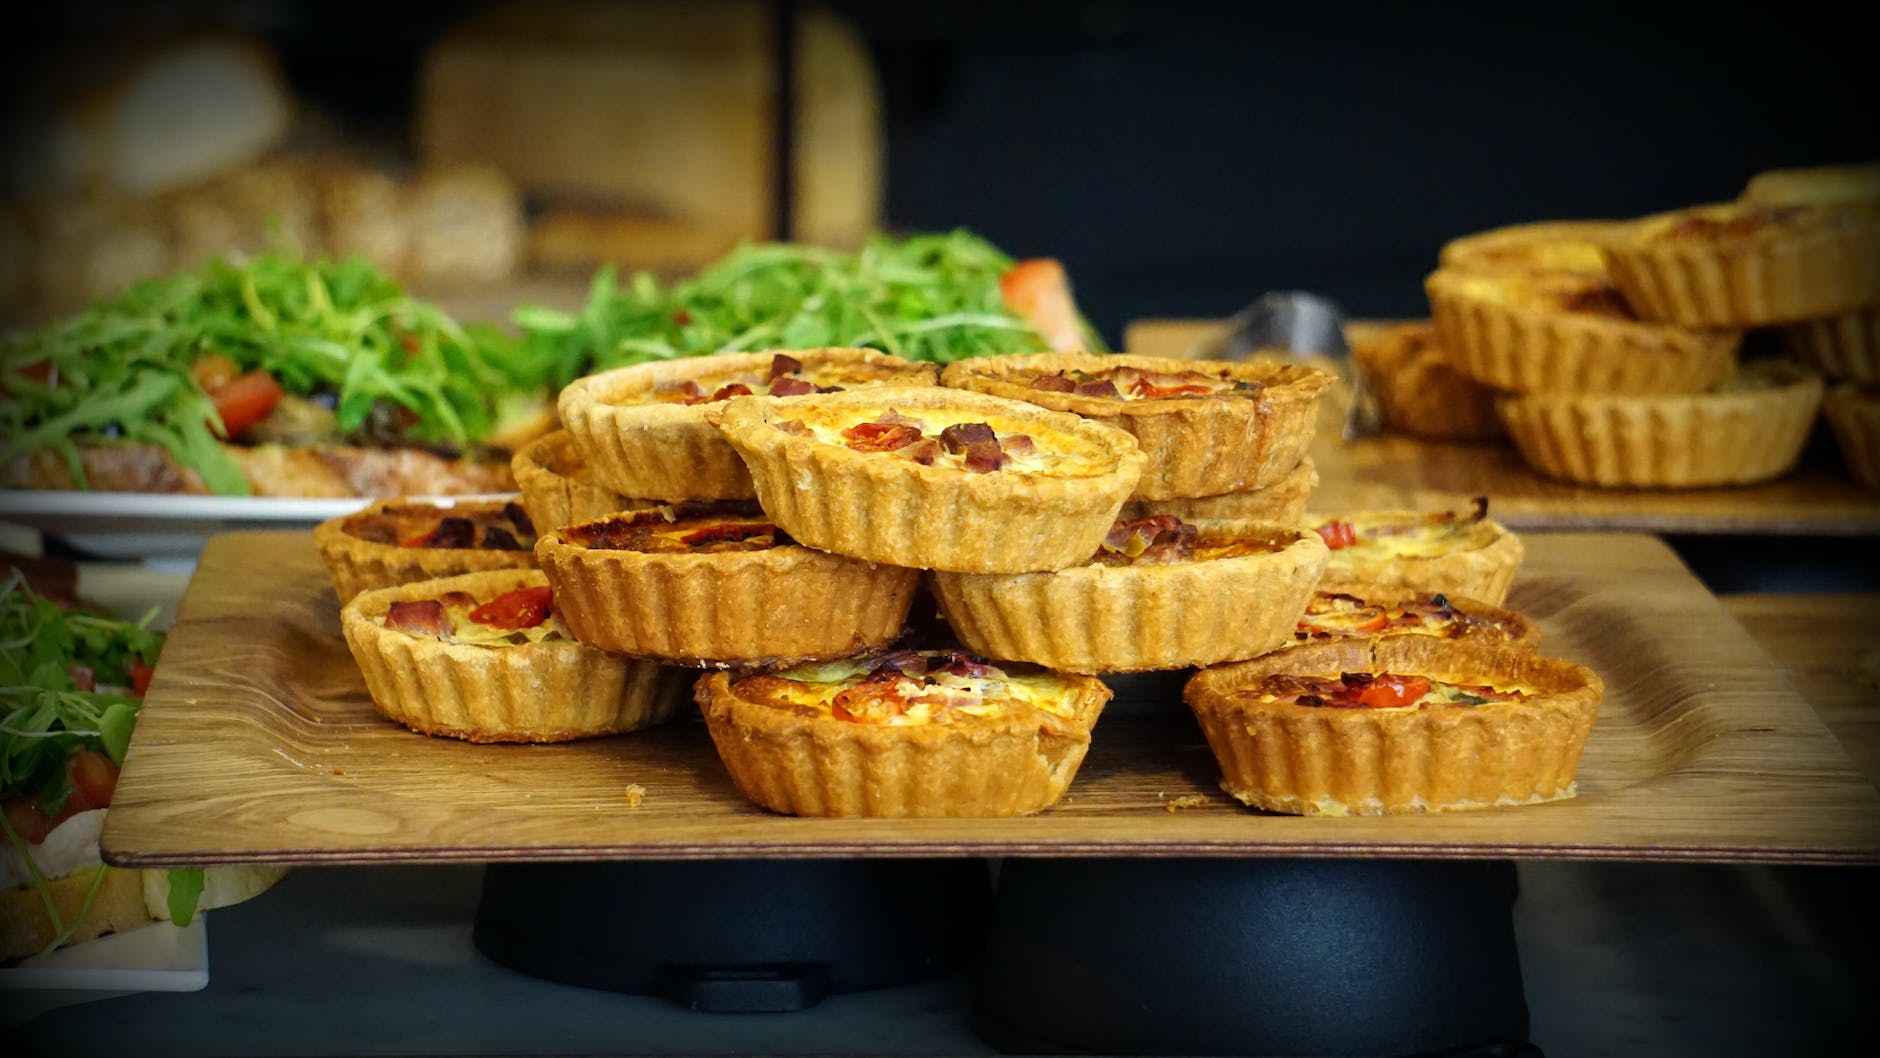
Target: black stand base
x,y
769,935
1263,957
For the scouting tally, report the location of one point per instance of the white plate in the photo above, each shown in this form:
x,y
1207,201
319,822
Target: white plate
x,y
159,957
157,525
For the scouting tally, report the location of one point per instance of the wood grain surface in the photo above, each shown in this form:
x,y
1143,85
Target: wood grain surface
x,y
1818,497
258,744
1829,647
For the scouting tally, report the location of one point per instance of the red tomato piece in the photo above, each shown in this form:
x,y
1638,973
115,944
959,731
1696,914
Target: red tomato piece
x,y
1039,293
27,820
94,780
140,678
246,401
513,610
1394,692
1337,534
880,436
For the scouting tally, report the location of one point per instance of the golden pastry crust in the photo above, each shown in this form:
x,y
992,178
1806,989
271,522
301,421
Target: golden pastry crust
x,y
360,556
1844,347
1742,265
1284,501
774,605
1752,429
1853,412
1821,185
556,488
1316,760
1132,618
1466,556
1393,613
638,445
1017,762
1047,511
1196,445
1545,246
550,691
1419,391
1558,331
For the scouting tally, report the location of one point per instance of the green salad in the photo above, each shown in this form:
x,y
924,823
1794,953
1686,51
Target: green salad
x,y
923,297
187,361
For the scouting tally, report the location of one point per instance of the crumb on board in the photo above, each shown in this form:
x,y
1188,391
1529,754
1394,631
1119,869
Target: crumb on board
x,y
636,794
1186,801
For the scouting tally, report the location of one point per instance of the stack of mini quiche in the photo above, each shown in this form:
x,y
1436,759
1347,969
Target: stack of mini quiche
x,y
1609,350
768,520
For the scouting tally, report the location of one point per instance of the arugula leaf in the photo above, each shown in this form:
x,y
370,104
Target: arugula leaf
x,y
185,893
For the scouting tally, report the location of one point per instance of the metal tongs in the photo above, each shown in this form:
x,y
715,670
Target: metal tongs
x,y
1302,327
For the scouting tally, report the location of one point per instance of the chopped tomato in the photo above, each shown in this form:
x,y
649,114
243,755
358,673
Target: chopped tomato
x,y
27,820
140,678
512,610
38,371
1039,292
1338,534
1393,692
94,780
245,401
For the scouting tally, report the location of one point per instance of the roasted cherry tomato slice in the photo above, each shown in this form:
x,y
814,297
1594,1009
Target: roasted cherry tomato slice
x,y
140,678
880,436
94,780
1338,534
27,820
1038,291
246,401
513,610
1394,692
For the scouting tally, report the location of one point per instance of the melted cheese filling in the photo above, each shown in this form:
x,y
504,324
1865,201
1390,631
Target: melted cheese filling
x,y
1340,616
1380,540
1052,452
465,630
1440,695
936,697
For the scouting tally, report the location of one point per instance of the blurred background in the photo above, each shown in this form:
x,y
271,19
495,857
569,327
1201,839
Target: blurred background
x,y
1179,157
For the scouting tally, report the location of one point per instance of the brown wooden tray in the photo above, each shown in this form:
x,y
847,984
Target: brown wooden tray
x,y
258,743
1401,472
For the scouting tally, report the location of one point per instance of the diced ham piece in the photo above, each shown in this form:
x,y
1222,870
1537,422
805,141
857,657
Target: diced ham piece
x,y
1054,384
423,617
453,532
983,457
496,538
735,389
519,517
790,387
1101,387
959,435
784,365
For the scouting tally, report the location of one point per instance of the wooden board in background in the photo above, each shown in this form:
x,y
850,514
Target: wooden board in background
x,y
1394,471
258,744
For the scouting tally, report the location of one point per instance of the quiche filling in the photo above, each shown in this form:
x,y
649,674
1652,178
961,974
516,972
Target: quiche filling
x,y
955,440
1134,383
1164,540
698,528
786,377
1383,690
1370,540
911,687
1336,616
487,528
514,618
1559,291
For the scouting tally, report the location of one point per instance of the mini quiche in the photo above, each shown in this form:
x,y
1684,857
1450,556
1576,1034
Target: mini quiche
x,y
1546,246
1159,593
1396,725
1419,392
643,430
556,487
1284,501
935,478
1853,412
718,583
1751,428
1457,553
1820,185
912,733
1845,347
1529,331
484,657
1207,427
1747,265
397,541
1334,615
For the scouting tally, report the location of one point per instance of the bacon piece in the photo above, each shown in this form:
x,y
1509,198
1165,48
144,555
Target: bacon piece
x,y
1053,384
880,436
519,517
923,451
780,364
794,427
516,610
497,538
984,457
959,436
790,387
453,532
1099,387
458,598
422,617
687,392
735,389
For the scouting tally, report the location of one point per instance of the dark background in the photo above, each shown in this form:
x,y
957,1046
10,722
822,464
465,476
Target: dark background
x,y
1183,157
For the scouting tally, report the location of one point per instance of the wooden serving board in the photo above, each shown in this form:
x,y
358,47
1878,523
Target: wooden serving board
x,y
1818,497
258,744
